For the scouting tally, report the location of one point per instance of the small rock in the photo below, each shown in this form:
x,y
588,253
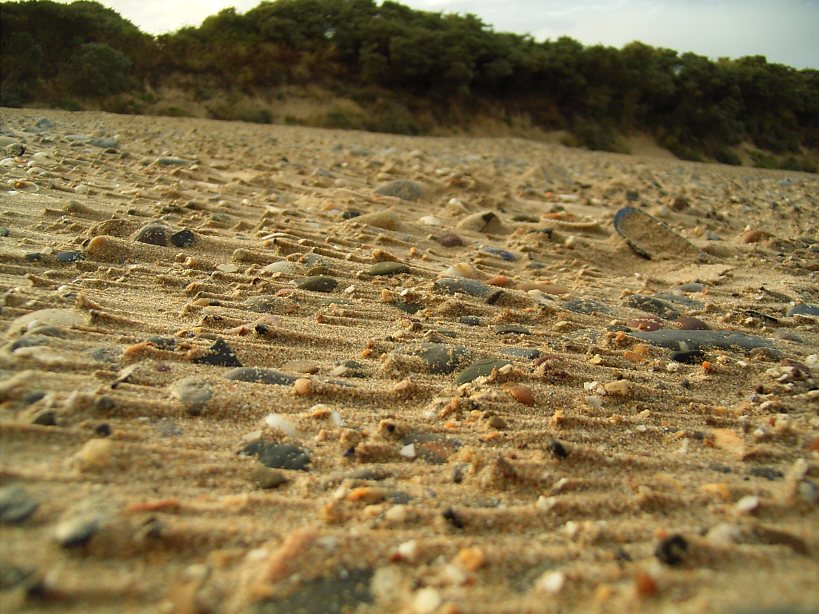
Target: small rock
x,y
380,219
183,238
317,283
450,239
672,550
479,368
649,237
691,357
686,340
220,354
172,161
652,305
691,323
471,287
69,256
511,329
267,478
486,222
470,320
769,473
16,504
301,366
527,353
803,309
153,234
284,267
754,235
388,268
401,188
193,392
260,376
586,306
77,531
440,358
279,455
261,304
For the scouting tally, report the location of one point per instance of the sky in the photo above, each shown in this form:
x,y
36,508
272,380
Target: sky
x,y
785,31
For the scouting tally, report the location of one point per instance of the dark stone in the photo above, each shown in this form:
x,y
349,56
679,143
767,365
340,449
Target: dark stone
x,y
461,285
69,256
450,239
258,375
45,418
586,306
769,473
317,283
453,518
31,397
478,369
34,257
803,309
672,550
172,161
410,308
691,357
153,234
388,268
162,343
104,142
470,320
440,358
401,188
511,329
77,531
110,355
260,304
335,595
348,215
527,353
279,455
220,354
687,340
16,504
691,287
557,449
500,253
652,305
103,430
28,342
4,231
183,238
691,323
684,301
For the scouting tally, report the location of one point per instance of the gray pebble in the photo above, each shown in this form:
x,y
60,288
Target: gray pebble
x,y
193,392
528,353
460,285
401,188
183,238
698,339
258,375
317,283
172,161
440,357
388,268
586,306
153,234
279,455
16,504
652,305
478,369
803,309
511,329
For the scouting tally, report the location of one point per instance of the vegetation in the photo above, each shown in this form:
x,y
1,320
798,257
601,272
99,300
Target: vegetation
x,y
409,71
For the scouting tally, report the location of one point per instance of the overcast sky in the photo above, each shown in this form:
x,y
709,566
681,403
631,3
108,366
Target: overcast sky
x,y
785,31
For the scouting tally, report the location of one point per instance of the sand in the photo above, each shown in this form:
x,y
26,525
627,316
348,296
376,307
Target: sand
x,y
577,468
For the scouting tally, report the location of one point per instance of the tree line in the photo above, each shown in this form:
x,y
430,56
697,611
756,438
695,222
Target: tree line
x,y
397,62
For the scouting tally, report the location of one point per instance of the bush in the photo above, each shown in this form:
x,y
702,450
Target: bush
x,y
256,115
727,156
98,70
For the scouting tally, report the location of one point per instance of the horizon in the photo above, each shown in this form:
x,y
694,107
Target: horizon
x,y
780,31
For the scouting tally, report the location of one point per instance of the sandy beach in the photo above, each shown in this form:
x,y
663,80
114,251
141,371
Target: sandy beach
x,y
251,368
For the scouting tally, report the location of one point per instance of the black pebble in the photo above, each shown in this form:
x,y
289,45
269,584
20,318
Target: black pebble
x,y
103,430
672,550
45,418
691,357
219,354
348,215
453,518
183,238
769,473
470,320
558,450
279,455
69,256
34,257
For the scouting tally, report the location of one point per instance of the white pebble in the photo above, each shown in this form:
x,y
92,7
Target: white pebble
x,y
747,504
408,451
551,582
426,601
277,421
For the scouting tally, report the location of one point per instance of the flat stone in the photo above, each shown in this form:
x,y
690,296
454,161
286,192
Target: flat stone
x,y
162,343
301,366
388,268
69,256
686,340
401,188
587,306
511,329
284,267
691,287
691,323
461,285
527,353
317,283
16,504
326,595
651,238
653,305
279,455
479,368
173,161
257,375
503,254
470,320
440,357
690,357
380,219
183,238
803,309
153,234
77,531
450,239
219,354
66,318
193,392
260,304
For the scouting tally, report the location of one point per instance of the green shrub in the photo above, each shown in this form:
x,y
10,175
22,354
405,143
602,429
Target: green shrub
x,y
97,70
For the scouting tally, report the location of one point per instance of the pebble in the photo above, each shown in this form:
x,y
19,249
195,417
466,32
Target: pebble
x,y
317,283
279,455
257,375
430,220
345,592
267,478
691,357
470,320
16,504
691,287
285,267
172,161
95,455
193,392
380,219
479,368
587,306
649,323
486,222
77,531
261,304
153,234
69,256
66,318
672,551
652,305
388,268
527,353
440,358
698,339
503,254
183,238
301,366
401,188
511,329
521,393
450,239
803,309
769,473
228,268
220,354
4,231
649,237
162,343
461,285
